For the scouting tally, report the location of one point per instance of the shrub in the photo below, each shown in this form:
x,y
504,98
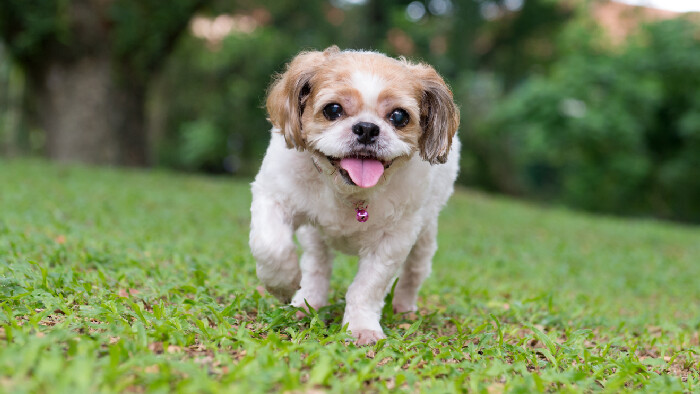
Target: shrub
x,y
606,131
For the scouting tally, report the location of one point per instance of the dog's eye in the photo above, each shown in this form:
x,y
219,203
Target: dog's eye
x,y
332,111
399,117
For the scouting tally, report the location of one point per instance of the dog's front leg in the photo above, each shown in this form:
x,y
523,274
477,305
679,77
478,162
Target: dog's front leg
x,y
365,297
415,270
315,269
272,245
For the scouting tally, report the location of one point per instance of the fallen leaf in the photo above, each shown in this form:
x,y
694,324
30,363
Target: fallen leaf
x,y
174,349
152,369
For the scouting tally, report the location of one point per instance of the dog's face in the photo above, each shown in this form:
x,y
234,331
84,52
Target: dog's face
x,y
362,113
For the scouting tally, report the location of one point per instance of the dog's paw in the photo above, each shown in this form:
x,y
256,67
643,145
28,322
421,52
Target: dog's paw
x,y
367,337
400,307
281,283
300,301
284,294
301,314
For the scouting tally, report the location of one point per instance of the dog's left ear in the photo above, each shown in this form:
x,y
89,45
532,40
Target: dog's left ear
x,y
287,96
439,116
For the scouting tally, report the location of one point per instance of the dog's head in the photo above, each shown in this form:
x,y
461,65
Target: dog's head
x,y
361,112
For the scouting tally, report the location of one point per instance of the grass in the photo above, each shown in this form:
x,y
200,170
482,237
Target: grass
x,y
115,280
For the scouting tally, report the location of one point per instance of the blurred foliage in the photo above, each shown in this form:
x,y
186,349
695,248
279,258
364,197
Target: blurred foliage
x,y
139,32
145,30
615,131
27,25
213,91
87,66
550,109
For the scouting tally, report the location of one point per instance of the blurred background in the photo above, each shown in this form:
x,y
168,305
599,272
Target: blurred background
x,y
590,104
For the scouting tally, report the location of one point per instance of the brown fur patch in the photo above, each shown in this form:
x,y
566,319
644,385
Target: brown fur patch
x,y
315,79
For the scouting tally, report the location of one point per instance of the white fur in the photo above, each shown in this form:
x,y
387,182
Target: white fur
x,y
370,84
302,193
337,140
289,194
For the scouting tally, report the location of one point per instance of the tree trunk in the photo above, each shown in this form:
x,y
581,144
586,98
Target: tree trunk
x,y
90,114
88,63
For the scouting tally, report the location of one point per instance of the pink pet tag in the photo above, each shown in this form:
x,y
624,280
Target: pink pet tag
x,y
361,213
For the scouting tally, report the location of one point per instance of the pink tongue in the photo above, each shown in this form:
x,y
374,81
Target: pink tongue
x,y
364,172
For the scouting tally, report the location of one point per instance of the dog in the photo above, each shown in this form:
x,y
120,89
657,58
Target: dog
x,y
362,158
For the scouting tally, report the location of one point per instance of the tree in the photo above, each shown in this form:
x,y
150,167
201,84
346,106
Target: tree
x,y
87,65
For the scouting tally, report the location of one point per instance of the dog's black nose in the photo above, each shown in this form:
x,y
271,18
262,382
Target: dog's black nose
x,y
366,132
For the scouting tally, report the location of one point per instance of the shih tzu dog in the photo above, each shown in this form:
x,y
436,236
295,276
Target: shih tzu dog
x,y
363,156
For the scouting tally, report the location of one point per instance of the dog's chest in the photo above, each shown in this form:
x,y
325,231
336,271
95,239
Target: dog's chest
x,y
342,231
351,241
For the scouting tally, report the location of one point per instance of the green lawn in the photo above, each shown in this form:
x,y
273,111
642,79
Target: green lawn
x,y
124,280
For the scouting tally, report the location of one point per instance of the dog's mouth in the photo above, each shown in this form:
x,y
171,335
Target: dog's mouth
x,y
361,170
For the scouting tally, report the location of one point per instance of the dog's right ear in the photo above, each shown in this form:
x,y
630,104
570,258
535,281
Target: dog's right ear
x,y
287,95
